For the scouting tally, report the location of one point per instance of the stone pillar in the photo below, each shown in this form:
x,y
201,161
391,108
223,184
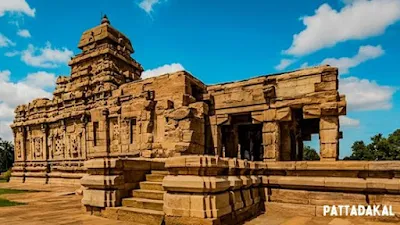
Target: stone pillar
x,y
44,142
329,137
18,169
84,140
271,141
216,136
286,142
44,155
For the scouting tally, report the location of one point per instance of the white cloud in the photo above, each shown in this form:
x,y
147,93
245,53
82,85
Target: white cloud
x,y
48,57
348,122
5,75
5,130
364,53
304,65
16,93
12,53
24,33
16,6
41,79
6,112
5,42
357,20
284,64
363,94
167,68
147,5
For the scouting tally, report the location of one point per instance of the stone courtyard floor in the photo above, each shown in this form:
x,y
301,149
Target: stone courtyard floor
x,y
58,205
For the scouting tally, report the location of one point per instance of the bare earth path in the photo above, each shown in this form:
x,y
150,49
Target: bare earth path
x,y
57,205
53,205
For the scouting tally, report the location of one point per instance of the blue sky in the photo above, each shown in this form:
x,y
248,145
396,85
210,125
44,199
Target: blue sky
x,y
217,41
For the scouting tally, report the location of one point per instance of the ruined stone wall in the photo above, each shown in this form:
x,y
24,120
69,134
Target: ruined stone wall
x,y
278,102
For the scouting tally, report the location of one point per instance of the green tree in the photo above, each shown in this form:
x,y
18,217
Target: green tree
x,y
309,154
6,155
380,148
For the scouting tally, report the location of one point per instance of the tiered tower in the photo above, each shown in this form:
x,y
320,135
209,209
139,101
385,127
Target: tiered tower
x,y
104,64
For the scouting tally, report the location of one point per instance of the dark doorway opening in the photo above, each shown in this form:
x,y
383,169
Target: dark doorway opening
x,y
250,141
242,139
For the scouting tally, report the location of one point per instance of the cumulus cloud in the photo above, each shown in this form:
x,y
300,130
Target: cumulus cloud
x,y
46,57
41,79
167,68
284,64
365,53
147,5
5,42
304,65
357,20
16,6
363,94
24,33
16,93
346,121
5,130
12,53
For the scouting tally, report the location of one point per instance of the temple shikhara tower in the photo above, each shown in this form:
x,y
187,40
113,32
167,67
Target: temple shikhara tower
x,y
104,121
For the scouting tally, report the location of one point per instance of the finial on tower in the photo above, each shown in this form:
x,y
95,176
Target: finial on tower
x,y
105,20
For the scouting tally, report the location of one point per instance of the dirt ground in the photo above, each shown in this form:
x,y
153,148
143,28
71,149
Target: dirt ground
x,y
58,205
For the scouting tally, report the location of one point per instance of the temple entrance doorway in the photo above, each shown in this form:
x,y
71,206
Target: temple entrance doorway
x,y
250,142
242,139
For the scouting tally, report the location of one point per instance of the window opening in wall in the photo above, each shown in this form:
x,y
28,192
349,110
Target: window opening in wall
x,y
310,138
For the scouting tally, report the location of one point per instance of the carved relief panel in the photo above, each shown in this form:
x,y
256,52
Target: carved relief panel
x,y
75,140
35,151
38,148
18,142
28,144
55,141
115,135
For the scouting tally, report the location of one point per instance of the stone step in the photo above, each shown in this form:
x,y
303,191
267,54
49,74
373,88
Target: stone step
x,y
151,185
155,177
143,203
142,216
149,194
164,172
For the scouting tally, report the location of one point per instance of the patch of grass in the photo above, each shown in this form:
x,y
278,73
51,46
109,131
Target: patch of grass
x,y
5,202
11,191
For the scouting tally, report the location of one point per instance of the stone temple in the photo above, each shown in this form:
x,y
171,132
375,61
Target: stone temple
x,y
173,149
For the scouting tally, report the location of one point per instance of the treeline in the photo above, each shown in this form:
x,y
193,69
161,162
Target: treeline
x,y
6,155
380,148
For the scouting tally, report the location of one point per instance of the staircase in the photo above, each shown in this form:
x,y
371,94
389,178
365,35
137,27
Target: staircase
x,y
146,204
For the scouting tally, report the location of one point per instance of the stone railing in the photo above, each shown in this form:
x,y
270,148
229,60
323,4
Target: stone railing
x,y
108,180
211,190
304,187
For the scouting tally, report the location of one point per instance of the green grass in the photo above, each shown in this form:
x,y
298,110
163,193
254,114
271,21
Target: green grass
x,y
5,202
11,191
